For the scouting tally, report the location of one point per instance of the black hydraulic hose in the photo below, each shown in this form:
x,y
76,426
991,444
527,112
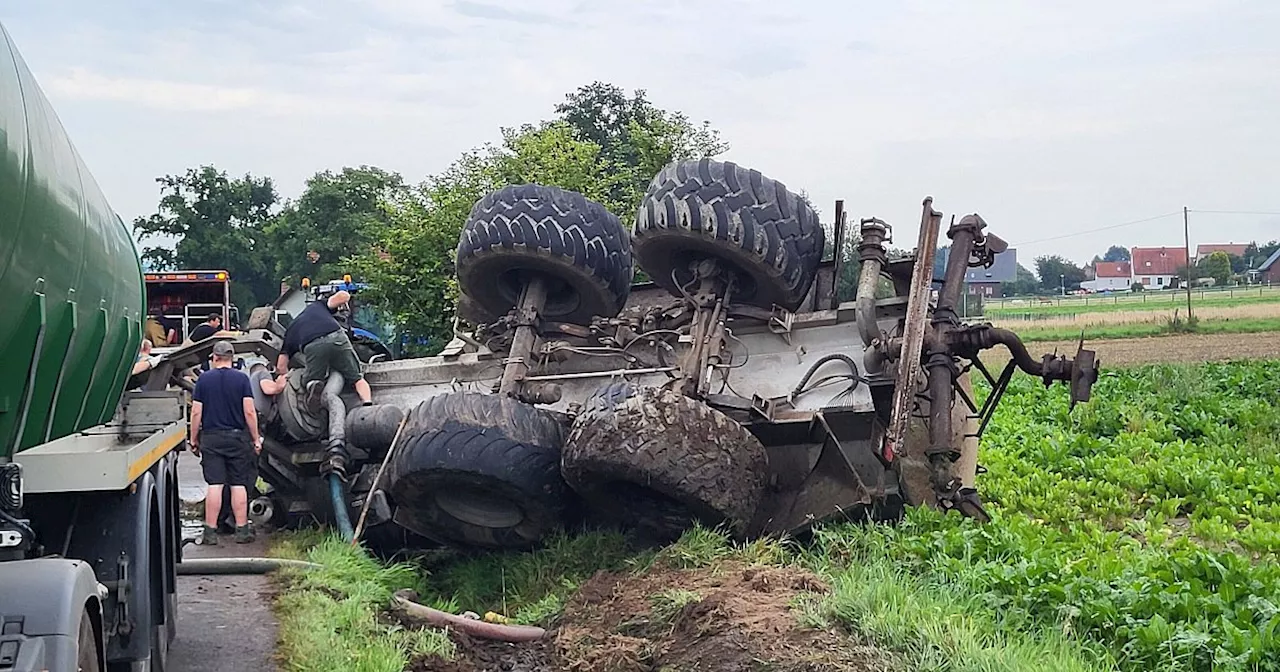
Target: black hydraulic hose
x,y
853,369
1016,348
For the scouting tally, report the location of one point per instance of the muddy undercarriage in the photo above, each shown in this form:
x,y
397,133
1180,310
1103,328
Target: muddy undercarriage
x,y
733,389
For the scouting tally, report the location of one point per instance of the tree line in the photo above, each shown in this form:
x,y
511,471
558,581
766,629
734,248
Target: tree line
x,y
398,236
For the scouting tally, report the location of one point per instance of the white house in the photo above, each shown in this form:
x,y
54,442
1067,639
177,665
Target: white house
x,y
1115,276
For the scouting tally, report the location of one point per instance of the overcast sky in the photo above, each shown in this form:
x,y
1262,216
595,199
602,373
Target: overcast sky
x,y
1048,118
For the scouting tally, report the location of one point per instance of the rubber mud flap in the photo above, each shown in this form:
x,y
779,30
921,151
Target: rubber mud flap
x,y
479,470
571,241
702,209
659,460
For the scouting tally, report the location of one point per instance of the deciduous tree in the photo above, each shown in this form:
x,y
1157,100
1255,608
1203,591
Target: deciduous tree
x,y
1057,273
335,214
215,222
1116,253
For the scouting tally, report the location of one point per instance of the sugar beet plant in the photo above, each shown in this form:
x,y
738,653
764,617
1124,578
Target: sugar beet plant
x,y
1148,521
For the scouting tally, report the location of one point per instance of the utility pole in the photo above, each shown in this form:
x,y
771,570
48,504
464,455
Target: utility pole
x,y
1186,238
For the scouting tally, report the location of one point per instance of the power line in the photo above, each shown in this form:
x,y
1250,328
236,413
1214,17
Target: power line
x,y
1236,212
1101,228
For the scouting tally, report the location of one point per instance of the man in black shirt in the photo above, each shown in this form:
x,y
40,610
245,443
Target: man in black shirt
x,y
224,435
205,329
325,345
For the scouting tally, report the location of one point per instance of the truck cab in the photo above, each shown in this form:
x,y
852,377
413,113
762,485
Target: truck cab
x,y
180,300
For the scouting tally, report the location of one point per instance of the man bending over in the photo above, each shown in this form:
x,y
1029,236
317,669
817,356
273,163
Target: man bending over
x,y
317,335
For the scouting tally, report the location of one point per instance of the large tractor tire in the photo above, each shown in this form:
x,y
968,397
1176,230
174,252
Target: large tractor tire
x,y
768,236
578,247
658,460
471,311
479,470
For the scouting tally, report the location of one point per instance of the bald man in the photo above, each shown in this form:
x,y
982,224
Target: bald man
x,y
325,346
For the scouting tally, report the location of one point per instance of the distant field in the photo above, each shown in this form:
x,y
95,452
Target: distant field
x,y
1147,329
1034,309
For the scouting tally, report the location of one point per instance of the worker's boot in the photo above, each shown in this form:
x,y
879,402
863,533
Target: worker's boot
x,y
244,534
210,537
315,393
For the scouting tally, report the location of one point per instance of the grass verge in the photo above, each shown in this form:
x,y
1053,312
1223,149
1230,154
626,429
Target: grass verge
x,y
331,618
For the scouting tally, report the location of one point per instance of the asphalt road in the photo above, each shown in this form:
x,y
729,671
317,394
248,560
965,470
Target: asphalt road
x,y
225,623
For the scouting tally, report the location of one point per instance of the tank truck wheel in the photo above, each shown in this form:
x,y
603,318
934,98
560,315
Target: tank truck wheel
x,y
700,209
660,460
87,646
574,243
479,470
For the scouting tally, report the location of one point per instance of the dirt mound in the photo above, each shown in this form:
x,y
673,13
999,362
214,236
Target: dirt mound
x,y
730,618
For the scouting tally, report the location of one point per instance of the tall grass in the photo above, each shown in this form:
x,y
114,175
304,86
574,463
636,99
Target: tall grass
x,y
330,617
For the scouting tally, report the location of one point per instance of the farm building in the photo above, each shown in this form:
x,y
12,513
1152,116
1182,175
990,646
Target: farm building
x,y
1269,271
1231,249
982,281
1156,267
1115,276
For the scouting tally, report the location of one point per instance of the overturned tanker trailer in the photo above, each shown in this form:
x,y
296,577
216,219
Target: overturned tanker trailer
x,y
733,388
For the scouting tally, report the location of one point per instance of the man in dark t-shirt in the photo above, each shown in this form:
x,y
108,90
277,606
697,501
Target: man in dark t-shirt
x,y
205,329
224,435
317,335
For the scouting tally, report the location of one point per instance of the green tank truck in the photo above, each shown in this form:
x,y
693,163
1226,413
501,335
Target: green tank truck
x,y
89,527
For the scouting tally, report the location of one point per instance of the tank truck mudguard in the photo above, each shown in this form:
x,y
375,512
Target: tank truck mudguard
x,y
42,602
123,560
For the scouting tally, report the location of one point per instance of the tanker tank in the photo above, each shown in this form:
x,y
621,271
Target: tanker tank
x,y
69,274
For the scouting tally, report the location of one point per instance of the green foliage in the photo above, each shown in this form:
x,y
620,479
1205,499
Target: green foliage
x,y
336,213
1148,521
531,587
1154,328
636,139
1116,253
1216,266
1174,324
1025,283
1055,272
1255,255
668,603
330,617
218,223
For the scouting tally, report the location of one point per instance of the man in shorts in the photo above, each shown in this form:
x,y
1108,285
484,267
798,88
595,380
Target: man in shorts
x,y
224,435
317,335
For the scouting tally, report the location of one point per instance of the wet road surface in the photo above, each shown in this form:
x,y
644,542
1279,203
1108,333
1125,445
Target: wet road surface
x,y
225,623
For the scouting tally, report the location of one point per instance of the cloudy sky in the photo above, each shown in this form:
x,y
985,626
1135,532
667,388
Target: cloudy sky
x,y
1051,119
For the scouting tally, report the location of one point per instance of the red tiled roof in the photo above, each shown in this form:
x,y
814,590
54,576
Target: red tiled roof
x,y
1112,269
1158,260
1230,248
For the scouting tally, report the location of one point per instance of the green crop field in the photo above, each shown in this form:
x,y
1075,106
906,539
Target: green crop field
x,y
1139,532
